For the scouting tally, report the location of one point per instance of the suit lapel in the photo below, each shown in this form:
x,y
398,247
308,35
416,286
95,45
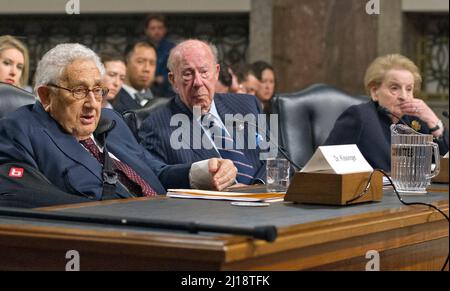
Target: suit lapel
x,y
67,144
124,100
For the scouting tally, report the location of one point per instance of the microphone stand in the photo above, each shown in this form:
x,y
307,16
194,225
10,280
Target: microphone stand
x,y
267,135
266,232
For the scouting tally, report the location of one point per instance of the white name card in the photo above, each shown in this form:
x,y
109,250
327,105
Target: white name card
x,y
338,159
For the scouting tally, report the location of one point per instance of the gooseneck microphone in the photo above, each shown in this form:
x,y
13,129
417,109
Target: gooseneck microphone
x,y
103,128
109,176
267,136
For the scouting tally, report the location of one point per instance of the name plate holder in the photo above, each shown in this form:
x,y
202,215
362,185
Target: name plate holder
x,y
334,189
442,177
336,175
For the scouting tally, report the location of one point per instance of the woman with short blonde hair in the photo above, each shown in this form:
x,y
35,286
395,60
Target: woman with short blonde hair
x,y
391,81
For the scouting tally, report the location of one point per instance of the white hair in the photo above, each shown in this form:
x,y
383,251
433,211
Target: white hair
x,y
176,53
52,65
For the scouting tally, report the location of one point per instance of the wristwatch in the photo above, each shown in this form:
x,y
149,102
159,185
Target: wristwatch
x,y
438,126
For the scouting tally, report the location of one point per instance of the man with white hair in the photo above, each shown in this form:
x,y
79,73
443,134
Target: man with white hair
x,y
194,71
80,148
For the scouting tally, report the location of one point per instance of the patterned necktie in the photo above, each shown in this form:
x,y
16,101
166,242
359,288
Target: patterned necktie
x,y
144,97
226,147
127,176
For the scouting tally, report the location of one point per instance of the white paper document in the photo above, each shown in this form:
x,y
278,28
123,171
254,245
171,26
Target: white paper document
x,y
232,196
337,159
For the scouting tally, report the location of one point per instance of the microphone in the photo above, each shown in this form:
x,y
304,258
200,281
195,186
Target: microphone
x,y
110,177
445,114
103,128
267,135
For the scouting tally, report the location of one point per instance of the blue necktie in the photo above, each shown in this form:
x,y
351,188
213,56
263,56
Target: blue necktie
x,y
226,147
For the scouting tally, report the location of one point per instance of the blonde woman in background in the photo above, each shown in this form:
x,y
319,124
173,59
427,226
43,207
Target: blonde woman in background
x,y
14,61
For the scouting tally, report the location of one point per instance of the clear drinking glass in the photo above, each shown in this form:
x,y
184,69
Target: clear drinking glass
x,y
277,174
411,157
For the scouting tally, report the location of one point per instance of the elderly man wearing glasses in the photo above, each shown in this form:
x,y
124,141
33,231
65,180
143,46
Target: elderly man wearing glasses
x,y
59,135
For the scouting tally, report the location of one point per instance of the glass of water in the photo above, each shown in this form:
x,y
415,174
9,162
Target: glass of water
x,y
277,174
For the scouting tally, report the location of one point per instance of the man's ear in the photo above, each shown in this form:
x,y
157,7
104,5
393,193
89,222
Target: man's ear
x,y
44,96
171,78
217,71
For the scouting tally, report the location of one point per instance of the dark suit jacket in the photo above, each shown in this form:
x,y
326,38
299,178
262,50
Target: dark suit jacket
x,y
123,102
369,129
155,132
30,135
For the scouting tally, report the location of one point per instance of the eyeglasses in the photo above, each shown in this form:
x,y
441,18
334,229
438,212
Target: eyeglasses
x,y
82,92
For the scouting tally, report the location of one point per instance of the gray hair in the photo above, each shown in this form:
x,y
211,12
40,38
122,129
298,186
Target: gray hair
x,y
175,53
52,65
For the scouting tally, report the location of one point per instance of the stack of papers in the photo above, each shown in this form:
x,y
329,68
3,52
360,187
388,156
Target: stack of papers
x,y
231,196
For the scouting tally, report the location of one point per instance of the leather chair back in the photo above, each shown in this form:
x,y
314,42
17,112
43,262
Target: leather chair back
x,y
12,97
135,117
307,117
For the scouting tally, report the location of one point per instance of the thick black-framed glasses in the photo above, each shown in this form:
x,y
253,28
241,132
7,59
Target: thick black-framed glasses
x,y
82,92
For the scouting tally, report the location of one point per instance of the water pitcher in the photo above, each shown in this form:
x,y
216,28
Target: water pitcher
x,y
411,157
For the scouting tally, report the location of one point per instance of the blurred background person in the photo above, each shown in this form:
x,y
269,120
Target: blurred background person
x,y
248,83
114,76
225,79
140,59
234,87
156,31
391,81
265,73
14,61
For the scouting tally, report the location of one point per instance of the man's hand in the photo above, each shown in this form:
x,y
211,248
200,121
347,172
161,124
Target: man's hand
x,y
223,173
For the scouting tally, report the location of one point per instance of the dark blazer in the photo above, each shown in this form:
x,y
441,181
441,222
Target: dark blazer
x,y
369,128
155,132
30,135
123,102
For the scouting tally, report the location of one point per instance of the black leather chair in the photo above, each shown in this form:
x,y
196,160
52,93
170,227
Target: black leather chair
x,y
134,118
307,117
12,97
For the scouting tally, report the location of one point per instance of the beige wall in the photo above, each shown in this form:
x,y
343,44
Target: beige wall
x,y
124,6
425,5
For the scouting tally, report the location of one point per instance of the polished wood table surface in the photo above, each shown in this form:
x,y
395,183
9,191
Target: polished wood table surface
x,y
309,237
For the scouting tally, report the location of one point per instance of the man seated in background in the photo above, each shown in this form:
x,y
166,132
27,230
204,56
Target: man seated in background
x,y
57,136
247,80
140,59
193,73
155,32
225,80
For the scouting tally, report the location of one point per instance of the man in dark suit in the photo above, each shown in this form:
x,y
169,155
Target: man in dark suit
x,y
56,135
141,63
193,73
155,32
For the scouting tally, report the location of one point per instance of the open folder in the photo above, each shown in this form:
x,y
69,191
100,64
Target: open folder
x,y
231,196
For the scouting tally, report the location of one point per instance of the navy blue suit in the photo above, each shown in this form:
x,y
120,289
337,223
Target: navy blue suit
x,y
369,128
156,131
30,135
123,102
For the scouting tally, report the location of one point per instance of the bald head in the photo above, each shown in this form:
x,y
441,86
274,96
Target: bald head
x,y
177,52
194,72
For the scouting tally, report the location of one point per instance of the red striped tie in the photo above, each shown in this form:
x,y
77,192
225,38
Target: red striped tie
x,y
127,176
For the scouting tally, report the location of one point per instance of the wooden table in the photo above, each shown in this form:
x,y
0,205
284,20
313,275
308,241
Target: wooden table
x,y
309,237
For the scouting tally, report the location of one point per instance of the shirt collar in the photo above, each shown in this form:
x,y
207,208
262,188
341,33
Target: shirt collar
x,y
131,91
213,111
